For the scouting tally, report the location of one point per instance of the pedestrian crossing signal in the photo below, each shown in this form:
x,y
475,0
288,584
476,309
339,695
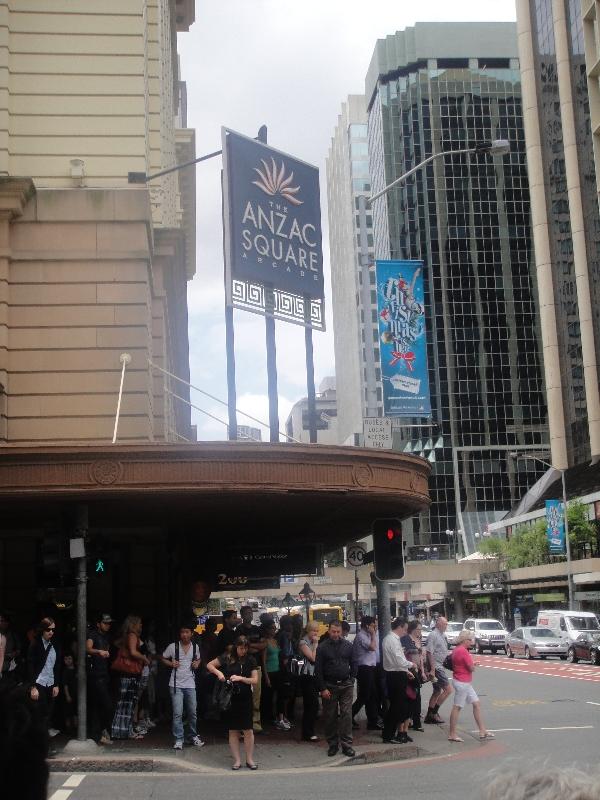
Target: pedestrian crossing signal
x,y
388,549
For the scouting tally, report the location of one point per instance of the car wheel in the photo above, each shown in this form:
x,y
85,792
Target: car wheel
x,y
596,658
571,657
543,658
493,651
509,653
528,654
563,658
479,648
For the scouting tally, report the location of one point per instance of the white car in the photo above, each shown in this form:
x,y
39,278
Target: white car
x,y
452,631
489,634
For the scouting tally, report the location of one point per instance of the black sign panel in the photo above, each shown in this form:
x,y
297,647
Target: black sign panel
x,y
261,562
224,581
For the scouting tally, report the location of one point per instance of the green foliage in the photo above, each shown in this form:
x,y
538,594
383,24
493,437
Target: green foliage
x,y
581,529
335,558
492,547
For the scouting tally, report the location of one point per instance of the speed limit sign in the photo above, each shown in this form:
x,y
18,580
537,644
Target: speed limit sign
x,y
355,555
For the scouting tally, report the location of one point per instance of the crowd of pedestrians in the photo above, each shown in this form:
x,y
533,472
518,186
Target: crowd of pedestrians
x,y
245,677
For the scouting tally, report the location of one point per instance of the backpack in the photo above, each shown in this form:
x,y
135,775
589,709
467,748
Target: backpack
x,y
174,671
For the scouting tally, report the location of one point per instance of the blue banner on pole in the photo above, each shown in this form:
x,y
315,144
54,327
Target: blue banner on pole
x,y
272,217
403,343
555,527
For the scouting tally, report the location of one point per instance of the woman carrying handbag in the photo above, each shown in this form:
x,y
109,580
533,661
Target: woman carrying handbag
x,y
129,663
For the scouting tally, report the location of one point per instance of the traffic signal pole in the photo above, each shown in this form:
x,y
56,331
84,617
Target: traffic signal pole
x,y
384,621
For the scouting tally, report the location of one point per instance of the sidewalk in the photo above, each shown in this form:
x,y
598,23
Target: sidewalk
x,y
274,750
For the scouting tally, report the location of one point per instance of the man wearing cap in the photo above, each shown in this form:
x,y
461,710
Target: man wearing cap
x,y
98,652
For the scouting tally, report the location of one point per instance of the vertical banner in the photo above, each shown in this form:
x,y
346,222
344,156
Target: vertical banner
x,y
403,344
555,527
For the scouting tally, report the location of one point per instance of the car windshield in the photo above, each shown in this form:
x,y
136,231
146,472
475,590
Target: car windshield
x,y
455,626
490,626
542,633
584,623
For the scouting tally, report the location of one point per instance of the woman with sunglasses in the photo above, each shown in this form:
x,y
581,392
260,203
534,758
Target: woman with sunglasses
x,y
44,661
237,666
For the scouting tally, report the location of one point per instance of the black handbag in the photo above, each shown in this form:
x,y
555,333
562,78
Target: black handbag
x,y
221,697
448,662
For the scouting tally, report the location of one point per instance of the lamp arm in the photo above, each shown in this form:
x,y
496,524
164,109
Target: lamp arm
x,y
416,168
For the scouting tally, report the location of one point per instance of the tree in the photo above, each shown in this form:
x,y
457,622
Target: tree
x,y
581,530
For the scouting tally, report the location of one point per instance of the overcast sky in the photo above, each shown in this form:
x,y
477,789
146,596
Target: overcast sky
x,y
288,64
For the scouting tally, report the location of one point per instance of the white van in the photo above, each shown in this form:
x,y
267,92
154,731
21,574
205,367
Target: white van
x,y
568,624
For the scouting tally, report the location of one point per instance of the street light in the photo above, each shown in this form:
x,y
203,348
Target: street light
x,y
451,542
308,595
288,601
529,457
498,147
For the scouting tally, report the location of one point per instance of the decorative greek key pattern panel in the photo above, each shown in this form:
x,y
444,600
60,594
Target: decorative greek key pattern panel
x,y
287,307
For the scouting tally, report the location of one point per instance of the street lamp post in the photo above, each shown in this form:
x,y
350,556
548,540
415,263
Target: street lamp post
x,y
529,457
451,542
308,595
288,602
497,147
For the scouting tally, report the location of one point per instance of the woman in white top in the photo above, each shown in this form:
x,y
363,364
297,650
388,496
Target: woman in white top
x,y
310,696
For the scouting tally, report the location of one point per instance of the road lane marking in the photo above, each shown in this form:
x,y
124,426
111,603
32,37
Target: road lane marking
x,y
591,703
502,730
74,780
570,728
61,794
509,703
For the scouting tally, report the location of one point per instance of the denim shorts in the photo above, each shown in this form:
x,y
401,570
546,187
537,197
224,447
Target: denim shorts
x,y
441,680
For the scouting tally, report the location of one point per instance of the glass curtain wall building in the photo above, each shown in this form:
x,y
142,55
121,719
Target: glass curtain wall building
x,y
436,88
566,219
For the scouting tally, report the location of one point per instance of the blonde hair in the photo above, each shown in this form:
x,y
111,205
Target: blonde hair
x,y
465,636
129,623
310,626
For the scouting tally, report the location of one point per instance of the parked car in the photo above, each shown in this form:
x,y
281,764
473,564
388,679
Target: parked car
x,y
585,648
568,624
489,634
534,642
452,631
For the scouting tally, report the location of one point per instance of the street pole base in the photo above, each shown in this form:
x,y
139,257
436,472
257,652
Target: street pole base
x,y
75,747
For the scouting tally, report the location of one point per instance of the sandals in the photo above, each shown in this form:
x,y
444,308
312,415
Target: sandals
x,y
487,735
235,767
455,739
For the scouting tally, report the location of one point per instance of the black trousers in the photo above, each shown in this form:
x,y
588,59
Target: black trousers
x,y
101,707
416,706
46,704
399,708
310,702
366,693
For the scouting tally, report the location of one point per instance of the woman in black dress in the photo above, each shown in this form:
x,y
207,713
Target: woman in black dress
x,y
240,668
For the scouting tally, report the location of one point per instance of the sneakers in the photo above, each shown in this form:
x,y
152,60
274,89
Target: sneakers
x,y
53,732
282,725
197,742
178,745
150,724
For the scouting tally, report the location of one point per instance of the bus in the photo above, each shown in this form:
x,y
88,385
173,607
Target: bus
x,y
323,613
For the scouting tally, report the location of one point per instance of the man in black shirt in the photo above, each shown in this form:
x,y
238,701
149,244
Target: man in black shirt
x,y
227,634
335,673
257,644
97,647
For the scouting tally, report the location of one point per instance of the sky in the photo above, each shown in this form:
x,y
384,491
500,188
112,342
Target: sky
x,y
288,65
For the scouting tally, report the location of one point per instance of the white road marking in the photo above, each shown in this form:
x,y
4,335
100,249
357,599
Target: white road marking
x,y
61,794
570,728
74,780
591,703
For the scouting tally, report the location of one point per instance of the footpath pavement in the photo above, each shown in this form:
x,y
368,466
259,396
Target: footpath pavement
x,y
275,750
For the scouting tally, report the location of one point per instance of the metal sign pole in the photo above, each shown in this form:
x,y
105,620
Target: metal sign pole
x,y
271,365
310,373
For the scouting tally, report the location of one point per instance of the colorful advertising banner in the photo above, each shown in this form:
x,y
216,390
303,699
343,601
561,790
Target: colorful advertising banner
x,y
403,345
272,216
555,527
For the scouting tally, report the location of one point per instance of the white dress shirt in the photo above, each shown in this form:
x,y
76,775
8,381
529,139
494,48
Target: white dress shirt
x,y
394,659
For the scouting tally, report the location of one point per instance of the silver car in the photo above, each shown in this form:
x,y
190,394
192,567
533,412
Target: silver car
x,y
534,643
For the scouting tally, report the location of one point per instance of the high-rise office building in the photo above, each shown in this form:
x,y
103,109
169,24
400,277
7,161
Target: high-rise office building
x,y
347,179
564,213
443,87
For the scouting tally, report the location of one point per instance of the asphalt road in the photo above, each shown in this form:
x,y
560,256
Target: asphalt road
x,y
542,713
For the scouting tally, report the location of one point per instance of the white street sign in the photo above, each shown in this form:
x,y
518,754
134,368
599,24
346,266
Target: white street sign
x,y
378,432
355,555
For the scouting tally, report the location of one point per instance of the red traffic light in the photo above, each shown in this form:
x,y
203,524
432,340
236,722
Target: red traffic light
x,y
390,534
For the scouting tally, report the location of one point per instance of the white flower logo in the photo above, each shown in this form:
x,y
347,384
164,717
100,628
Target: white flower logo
x,y
273,181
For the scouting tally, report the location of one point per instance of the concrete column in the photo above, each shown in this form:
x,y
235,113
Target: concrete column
x,y
582,278
541,239
459,609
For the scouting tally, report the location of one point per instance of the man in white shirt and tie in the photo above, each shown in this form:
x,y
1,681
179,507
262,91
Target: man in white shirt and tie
x,y
398,671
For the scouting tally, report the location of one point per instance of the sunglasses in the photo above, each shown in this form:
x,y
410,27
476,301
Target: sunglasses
x,y
50,630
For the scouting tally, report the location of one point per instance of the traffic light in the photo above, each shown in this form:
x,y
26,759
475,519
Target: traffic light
x,y
388,549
